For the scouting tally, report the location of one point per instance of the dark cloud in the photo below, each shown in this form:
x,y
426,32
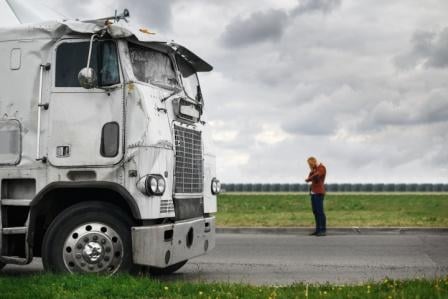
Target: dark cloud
x,y
323,6
258,27
152,13
419,112
325,113
439,50
428,48
270,25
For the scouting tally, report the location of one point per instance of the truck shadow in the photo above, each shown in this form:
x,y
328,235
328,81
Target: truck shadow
x,y
189,273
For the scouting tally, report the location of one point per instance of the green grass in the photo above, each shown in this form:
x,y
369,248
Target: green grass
x,y
363,210
71,286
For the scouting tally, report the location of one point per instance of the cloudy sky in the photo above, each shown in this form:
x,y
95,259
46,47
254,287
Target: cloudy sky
x,y
362,85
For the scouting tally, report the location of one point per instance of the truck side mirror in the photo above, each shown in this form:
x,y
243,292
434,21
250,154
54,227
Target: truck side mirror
x,y
87,76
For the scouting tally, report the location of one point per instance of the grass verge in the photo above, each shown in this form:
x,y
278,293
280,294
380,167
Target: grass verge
x,y
72,286
373,210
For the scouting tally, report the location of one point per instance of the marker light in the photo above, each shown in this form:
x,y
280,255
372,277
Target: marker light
x,y
216,186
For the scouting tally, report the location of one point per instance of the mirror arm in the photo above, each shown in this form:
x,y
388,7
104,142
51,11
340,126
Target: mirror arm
x,y
87,77
90,50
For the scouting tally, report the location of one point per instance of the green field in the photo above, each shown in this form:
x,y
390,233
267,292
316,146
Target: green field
x,y
343,210
72,286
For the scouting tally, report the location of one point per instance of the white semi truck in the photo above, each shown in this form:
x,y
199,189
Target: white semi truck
x,y
105,159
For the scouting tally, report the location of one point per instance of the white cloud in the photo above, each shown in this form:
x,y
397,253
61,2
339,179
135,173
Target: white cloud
x,y
222,132
271,134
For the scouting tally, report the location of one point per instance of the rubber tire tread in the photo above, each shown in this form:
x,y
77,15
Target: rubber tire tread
x,y
76,215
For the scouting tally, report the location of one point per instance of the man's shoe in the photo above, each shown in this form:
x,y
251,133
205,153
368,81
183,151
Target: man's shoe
x,y
321,234
313,234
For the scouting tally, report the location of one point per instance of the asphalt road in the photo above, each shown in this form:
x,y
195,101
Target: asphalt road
x,y
285,259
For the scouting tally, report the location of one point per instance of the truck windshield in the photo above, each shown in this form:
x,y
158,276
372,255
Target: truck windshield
x,y
152,67
189,78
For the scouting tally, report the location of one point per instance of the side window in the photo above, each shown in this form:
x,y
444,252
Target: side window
x,y
109,73
72,57
110,140
10,142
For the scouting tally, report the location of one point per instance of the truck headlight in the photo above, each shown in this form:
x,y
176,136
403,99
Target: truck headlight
x,y
161,185
216,186
155,185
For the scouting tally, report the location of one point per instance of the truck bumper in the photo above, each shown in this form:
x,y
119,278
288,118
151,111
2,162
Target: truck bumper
x,y
164,245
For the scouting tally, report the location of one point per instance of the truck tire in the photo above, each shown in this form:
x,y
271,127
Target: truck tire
x,y
89,237
166,271
2,265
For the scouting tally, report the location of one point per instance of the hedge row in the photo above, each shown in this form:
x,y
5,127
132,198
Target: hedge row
x,y
336,187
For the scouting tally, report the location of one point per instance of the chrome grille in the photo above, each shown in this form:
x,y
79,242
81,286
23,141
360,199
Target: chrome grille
x,y
166,206
189,165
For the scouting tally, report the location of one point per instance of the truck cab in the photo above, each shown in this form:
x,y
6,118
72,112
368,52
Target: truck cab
x,y
106,161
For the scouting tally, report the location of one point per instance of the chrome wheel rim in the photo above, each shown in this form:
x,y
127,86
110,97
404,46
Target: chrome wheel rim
x,y
93,248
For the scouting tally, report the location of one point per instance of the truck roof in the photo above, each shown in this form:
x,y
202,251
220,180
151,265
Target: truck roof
x,y
55,30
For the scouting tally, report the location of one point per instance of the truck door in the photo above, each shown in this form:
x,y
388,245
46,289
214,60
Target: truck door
x,y
86,125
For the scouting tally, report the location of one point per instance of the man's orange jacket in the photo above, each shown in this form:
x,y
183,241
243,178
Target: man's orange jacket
x,y
317,179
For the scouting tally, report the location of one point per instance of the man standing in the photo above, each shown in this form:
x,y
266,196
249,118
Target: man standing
x,y
317,191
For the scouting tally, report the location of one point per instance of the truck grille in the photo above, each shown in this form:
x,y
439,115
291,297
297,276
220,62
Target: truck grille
x,y
189,165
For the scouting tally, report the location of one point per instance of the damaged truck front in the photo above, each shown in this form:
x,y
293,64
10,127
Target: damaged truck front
x,y
105,158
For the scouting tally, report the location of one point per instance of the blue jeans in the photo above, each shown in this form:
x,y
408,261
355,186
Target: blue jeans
x,y
317,203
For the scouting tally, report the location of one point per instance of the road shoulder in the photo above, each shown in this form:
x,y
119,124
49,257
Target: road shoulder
x,y
334,231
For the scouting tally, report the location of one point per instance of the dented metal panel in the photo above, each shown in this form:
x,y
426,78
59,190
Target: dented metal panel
x,y
58,29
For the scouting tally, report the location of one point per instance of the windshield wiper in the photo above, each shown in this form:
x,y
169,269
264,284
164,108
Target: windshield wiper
x,y
176,90
163,84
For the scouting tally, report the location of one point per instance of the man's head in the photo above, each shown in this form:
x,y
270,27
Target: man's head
x,y
312,162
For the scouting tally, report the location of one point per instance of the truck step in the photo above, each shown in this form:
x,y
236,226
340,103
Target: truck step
x,y
16,202
15,230
15,260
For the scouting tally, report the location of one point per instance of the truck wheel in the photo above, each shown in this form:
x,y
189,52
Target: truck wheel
x,y
92,237
2,265
166,271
